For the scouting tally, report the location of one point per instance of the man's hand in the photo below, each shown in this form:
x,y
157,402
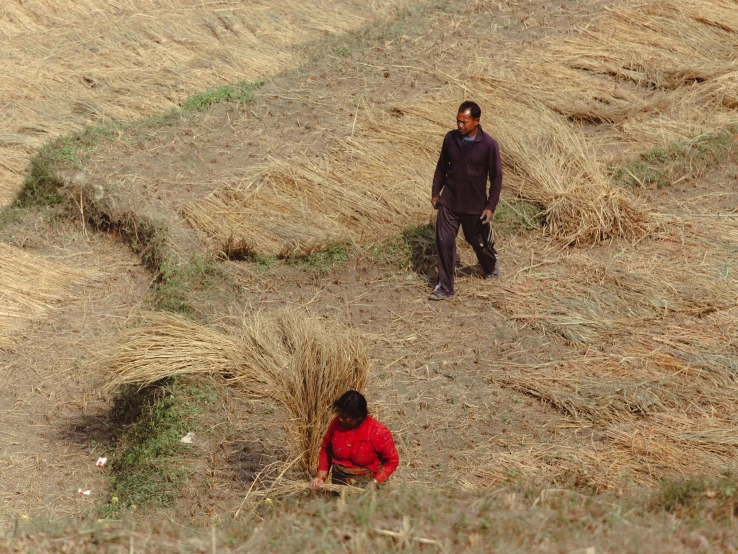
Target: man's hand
x,y
486,216
371,485
434,200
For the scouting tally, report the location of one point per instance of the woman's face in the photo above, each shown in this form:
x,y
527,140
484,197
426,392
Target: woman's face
x,y
348,421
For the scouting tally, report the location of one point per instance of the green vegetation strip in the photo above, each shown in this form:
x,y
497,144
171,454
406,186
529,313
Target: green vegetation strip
x,y
148,466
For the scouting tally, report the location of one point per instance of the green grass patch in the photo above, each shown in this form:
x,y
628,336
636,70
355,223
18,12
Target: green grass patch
x,y
242,92
515,215
323,261
179,281
684,160
147,466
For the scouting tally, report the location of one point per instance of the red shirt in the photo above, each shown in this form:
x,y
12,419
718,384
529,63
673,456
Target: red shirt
x,y
369,445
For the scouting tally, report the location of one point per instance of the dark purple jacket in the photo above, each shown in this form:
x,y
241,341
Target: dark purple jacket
x,y
462,171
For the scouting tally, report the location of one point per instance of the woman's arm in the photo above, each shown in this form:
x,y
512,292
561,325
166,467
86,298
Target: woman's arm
x,y
385,445
324,459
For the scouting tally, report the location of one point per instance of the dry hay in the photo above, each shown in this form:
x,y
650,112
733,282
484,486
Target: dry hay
x,y
373,185
29,287
306,364
658,44
661,71
581,466
598,295
164,345
657,384
648,410
302,363
71,63
353,193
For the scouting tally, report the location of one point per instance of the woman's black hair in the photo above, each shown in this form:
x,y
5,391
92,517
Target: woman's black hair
x,y
353,404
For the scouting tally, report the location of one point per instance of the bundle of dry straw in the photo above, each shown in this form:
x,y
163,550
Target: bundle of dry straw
x,y
352,193
304,364
29,287
300,362
164,345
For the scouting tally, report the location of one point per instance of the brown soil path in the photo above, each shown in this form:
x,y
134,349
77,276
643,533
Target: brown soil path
x,y
50,409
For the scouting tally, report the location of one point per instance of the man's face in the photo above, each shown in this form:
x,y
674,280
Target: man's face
x,y
466,124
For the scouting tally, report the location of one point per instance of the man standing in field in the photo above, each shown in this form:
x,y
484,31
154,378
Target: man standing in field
x,y
468,157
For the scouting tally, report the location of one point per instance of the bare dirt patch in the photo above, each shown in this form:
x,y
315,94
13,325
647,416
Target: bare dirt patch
x,y
51,410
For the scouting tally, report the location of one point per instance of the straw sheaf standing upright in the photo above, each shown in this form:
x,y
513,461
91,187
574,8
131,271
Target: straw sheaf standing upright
x,y
300,362
305,365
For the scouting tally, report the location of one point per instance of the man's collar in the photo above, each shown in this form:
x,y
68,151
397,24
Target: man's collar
x,y
477,137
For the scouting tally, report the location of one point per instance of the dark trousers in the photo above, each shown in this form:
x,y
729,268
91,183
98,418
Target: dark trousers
x,y
475,233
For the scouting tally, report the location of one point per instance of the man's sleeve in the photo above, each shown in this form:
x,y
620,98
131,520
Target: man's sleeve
x,y
439,177
385,445
495,176
326,454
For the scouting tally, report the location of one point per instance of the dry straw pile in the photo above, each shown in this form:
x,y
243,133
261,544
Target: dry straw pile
x,y
29,287
376,184
651,367
659,71
647,74
66,64
300,362
355,193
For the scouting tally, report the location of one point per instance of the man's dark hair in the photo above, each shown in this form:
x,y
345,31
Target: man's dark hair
x,y
353,404
472,107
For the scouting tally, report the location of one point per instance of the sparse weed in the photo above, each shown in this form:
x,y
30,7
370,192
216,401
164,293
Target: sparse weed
x,y
178,281
515,215
322,261
661,167
414,249
699,495
239,92
146,467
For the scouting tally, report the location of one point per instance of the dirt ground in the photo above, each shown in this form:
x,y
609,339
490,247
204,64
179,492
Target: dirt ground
x,y
52,413
437,378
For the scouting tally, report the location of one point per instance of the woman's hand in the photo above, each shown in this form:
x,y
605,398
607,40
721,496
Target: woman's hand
x,y
318,480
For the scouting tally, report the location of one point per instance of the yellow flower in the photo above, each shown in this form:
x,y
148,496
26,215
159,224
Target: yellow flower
x,y
268,502
24,516
114,500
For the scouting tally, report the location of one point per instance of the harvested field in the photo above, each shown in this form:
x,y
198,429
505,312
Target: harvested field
x,y
66,66
31,286
357,193
570,394
356,182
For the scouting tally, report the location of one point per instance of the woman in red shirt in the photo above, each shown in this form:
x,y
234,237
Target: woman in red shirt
x,y
360,449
